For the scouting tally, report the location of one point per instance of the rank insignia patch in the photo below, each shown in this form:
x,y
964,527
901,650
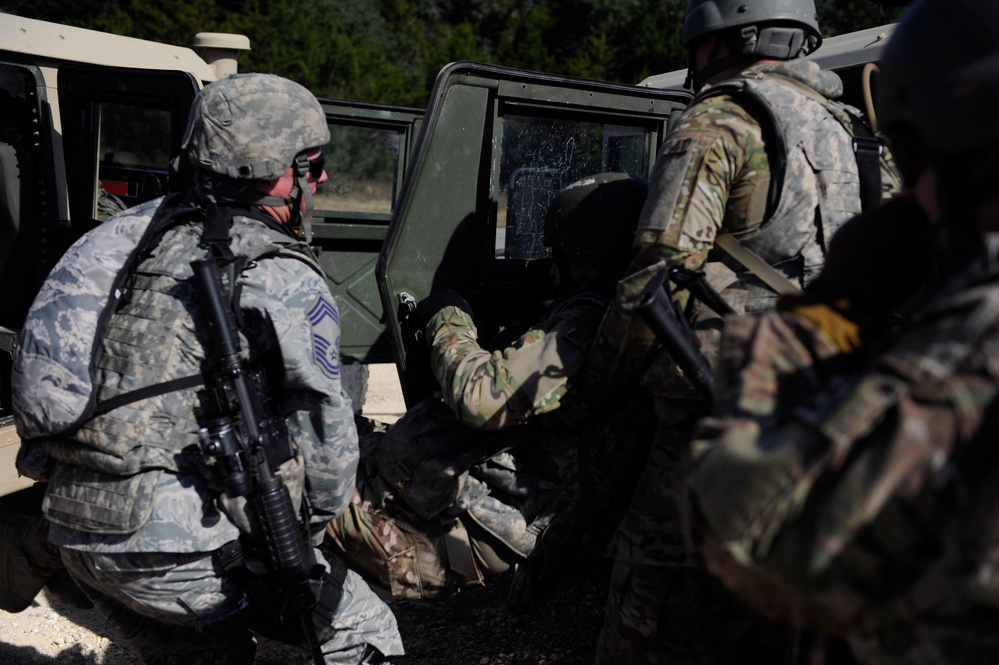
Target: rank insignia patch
x,y
326,336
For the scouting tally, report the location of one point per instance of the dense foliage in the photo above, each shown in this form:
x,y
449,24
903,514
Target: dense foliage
x,y
390,51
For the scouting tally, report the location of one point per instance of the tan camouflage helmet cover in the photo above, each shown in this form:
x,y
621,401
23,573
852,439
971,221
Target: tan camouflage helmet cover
x,y
251,126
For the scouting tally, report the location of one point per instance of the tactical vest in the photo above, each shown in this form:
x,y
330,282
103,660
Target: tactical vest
x,y
815,180
133,350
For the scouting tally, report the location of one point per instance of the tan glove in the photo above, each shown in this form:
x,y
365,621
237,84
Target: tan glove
x,y
879,264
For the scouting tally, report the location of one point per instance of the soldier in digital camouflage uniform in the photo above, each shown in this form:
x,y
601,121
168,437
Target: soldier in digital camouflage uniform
x,y
463,487
864,465
764,157
141,521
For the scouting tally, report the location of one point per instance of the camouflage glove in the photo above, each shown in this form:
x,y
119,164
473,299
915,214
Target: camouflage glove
x,y
434,303
879,263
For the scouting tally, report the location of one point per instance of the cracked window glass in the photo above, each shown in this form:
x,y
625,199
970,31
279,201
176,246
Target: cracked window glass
x,y
540,156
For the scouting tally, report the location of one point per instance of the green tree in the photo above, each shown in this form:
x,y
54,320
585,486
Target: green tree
x,y
390,51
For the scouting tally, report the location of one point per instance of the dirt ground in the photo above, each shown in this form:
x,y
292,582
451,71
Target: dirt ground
x,y
474,628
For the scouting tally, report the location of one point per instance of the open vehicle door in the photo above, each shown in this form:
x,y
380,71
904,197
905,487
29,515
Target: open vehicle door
x,y
369,151
495,146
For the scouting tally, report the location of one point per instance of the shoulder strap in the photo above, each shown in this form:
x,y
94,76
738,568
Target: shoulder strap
x,y
146,392
770,128
755,264
171,212
867,148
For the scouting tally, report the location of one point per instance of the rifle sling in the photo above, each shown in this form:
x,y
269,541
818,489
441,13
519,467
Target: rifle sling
x,y
146,392
752,262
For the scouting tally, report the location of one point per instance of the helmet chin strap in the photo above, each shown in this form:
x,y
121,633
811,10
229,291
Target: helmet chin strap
x,y
301,222
221,191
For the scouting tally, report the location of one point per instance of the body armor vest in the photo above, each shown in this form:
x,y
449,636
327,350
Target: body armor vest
x,y
815,183
147,339
152,338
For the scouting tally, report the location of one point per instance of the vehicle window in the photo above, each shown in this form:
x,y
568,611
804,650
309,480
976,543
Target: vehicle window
x,y
362,163
133,148
121,127
540,156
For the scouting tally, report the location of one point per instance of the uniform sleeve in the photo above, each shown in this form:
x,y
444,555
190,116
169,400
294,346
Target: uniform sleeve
x,y
498,389
712,172
297,304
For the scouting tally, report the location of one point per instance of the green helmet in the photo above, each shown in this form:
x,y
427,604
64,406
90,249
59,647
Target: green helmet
x,y
784,28
251,126
940,75
595,216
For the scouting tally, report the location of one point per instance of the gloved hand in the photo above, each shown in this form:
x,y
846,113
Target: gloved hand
x,y
435,302
878,264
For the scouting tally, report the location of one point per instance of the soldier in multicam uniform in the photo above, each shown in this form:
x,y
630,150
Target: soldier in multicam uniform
x,y
754,178
464,487
141,521
866,475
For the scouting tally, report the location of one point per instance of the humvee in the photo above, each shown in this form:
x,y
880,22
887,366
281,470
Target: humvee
x,y
418,200
495,146
88,116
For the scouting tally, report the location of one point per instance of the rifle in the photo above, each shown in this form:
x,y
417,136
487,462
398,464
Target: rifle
x,y
664,317
247,440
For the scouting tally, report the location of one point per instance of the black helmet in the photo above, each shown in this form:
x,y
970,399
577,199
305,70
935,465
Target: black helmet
x,y
785,28
940,75
595,216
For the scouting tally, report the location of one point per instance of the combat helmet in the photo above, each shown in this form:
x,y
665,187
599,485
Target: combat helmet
x,y
780,29
248,127
595,216
939,78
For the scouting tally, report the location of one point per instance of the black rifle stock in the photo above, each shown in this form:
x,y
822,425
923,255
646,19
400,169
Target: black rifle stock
x,y
247,438
662,315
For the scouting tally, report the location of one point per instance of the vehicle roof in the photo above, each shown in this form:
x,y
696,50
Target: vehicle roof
x,y
62,42
854,48
837,52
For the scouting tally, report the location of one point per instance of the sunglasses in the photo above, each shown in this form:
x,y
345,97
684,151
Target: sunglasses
x,y
313,166
316,166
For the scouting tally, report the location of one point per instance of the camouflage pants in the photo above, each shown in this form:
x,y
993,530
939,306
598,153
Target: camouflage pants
x,y
411,557
176,608
678,615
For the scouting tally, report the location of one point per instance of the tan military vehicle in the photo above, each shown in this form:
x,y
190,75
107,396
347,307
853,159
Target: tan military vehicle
x,y
90,122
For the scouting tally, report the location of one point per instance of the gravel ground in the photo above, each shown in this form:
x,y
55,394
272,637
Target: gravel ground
x,y
470,629
473,628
